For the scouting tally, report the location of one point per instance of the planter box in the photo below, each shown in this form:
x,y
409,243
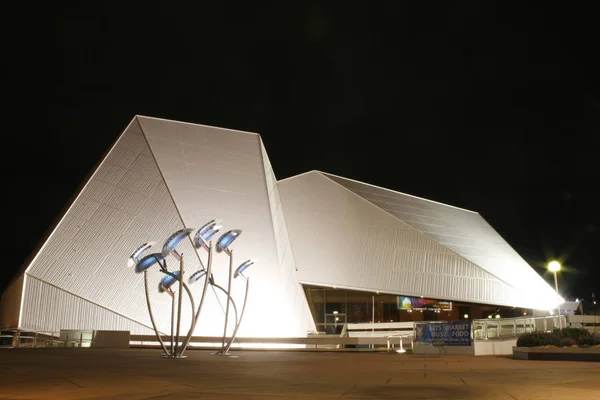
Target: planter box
x,y
557,353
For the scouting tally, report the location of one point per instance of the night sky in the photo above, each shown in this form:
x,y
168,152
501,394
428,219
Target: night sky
x,y
492,107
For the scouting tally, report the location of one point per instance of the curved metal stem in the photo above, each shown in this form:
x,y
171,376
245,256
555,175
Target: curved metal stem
x,y
172,325
240,320
179,301
228,301
187,289
186,342
229,296
162,344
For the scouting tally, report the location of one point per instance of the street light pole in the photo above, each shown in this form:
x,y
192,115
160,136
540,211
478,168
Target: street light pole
x,y
554,266
556,287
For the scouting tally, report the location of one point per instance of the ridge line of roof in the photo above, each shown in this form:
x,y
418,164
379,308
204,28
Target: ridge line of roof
x,y
394,191
421,232
195,124
297,176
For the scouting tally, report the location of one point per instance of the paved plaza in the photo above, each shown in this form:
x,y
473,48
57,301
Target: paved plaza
x,y
132,374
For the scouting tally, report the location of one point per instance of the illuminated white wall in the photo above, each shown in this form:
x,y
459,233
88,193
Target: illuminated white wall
x,y
354,235
159,177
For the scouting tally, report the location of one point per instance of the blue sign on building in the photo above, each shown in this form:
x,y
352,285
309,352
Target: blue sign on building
x,y
451,333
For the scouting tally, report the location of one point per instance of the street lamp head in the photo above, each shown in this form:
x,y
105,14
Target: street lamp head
x,y
205,233
226,239
173,240
554,266
167,281
134,258
148,261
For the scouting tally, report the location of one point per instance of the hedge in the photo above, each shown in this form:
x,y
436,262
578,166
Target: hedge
x,y
560,338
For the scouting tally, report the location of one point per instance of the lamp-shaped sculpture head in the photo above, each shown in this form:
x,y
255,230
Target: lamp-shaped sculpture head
x,y
173,241
205,233
149,261
226,239
196,276
134,258
243,266
166,282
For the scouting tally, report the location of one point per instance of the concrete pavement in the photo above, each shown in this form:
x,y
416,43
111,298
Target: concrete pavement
x,y
76,373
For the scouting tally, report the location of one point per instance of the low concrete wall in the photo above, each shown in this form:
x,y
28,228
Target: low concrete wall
x,y
557,353
111,339
424,348
494,347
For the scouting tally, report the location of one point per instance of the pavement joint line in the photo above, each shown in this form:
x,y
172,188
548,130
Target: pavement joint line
x,y
388,381
74,383
463,381
509,394
347,391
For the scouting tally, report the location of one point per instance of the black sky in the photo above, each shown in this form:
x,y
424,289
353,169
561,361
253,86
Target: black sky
x,y
488,106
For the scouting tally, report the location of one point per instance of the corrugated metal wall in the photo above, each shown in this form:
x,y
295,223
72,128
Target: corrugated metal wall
x,y
159,175
125,204
464,232
299,314
48,308
219,173
80,279
340,239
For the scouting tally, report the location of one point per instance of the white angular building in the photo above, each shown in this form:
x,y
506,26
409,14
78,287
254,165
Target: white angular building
x,y
161,176
353,235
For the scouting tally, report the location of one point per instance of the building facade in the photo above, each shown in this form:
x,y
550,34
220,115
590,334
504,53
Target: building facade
x,y
313,235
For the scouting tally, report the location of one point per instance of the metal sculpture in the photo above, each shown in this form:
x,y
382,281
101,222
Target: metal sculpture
x,y
200,241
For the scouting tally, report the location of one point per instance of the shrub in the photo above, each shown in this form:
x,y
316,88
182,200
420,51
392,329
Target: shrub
x,y
566,342
573,333
559,337
535,339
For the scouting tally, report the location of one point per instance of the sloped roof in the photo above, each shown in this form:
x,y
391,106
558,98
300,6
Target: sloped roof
x,y
161,176
463,232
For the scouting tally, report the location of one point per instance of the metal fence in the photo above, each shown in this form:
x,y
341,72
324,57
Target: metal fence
x,y
506,328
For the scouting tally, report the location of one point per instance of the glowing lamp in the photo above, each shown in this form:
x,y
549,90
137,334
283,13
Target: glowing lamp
x,y
167,281
148,261
226,239
466,316
196,276
205,233
173,240
554,266
497,315
135,257
240,270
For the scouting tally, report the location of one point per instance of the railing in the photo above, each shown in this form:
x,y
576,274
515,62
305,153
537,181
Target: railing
x,y
506,328
23,338
589,322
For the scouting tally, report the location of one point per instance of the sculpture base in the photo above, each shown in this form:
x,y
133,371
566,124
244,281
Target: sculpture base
x,y
166,356
218,353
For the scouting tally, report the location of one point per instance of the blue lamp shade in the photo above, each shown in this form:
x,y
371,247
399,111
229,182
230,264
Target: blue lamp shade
x,y
226,239
205,233
196,276
148,261
134,258
173,240
243,266
166,282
